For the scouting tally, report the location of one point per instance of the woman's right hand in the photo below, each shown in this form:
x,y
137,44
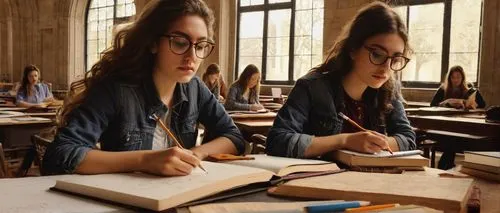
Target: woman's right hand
x,y
453,102
170,162
256,107
365,141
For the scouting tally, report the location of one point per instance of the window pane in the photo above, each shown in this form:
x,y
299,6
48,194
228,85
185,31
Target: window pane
x,y
402,12
250,40
277,1
308,42
303,23
120,10
244,3
303,4
256,2
278,45
464,36
426,33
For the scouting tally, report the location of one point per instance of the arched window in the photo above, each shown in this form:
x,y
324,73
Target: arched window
x,y
102,17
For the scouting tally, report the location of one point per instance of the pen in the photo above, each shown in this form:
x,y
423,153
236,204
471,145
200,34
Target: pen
x,y
358,126
172,136
374,207
333,207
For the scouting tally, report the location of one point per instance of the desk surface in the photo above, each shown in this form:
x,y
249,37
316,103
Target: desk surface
x,y
32,194
241,116
24,121
466,125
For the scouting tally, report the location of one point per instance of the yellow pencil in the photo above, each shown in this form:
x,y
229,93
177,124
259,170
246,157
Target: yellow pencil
x,y
177,143
358,126
374,207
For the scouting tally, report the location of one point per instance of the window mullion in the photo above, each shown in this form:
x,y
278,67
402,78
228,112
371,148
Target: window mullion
x,y
446,39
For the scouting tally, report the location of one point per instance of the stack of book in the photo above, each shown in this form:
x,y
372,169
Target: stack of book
x,y
482,164
382,162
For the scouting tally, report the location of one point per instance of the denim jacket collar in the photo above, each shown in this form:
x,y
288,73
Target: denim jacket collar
x,y
153,98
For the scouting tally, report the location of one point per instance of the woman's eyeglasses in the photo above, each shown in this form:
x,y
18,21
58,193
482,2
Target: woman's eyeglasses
x,y
180,45
378,57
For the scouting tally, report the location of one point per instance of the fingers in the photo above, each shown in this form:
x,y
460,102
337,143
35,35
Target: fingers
x,y
378,140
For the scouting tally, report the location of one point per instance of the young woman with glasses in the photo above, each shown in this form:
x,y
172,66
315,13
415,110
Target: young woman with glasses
x,y
147,74
357,80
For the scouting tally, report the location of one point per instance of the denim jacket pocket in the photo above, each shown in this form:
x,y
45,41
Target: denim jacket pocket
x,y
130,140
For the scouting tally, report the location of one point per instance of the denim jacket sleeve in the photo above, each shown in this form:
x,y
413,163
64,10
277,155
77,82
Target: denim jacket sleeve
x,y
399,127
232,100
84,127
286,137
216,121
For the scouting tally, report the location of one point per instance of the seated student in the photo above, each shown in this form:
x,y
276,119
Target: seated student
x,y
244,92
148,71
33,93
357,80
211,78
455,91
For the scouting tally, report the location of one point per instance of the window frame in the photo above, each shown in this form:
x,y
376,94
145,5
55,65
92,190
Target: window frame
x,y
266,7
116,21
445,54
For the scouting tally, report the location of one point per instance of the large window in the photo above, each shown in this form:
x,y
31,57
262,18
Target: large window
x,y
284,38
443,33
102,17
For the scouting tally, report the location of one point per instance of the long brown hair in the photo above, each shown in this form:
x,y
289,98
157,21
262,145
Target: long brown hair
x,y
212,69
374,19
448,87
130,59
245,77
25,81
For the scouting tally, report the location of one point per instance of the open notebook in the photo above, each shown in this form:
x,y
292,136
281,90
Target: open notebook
x,y
397,159
160,193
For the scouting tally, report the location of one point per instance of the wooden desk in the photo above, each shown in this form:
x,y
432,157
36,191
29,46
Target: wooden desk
x,y
417,104
466,125
15,132
442,111
250,116
32,194
250,127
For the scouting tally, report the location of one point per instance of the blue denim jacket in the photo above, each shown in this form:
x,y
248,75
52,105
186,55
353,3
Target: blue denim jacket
x,y
311,110
118,115
235,100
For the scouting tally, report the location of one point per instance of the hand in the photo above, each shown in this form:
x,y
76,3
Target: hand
x,y
42,105
170,162
455,103
49,100
256,107
221,98
366,141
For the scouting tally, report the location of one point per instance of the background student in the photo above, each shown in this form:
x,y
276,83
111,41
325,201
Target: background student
x,y
212,80
455,92
32,92
149,71
357,80
244,92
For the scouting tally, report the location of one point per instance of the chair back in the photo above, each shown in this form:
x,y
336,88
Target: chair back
x,y
4,172
40,144
258,142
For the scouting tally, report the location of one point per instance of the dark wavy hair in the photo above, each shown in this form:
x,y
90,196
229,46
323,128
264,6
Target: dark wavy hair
x,y
25,81
374,19
130,58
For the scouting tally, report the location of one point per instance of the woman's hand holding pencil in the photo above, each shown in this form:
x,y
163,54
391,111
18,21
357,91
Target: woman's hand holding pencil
x,y
366,140
177,142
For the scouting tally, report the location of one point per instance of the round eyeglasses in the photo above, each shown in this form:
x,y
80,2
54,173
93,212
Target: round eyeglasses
x,y
378,57
180,45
